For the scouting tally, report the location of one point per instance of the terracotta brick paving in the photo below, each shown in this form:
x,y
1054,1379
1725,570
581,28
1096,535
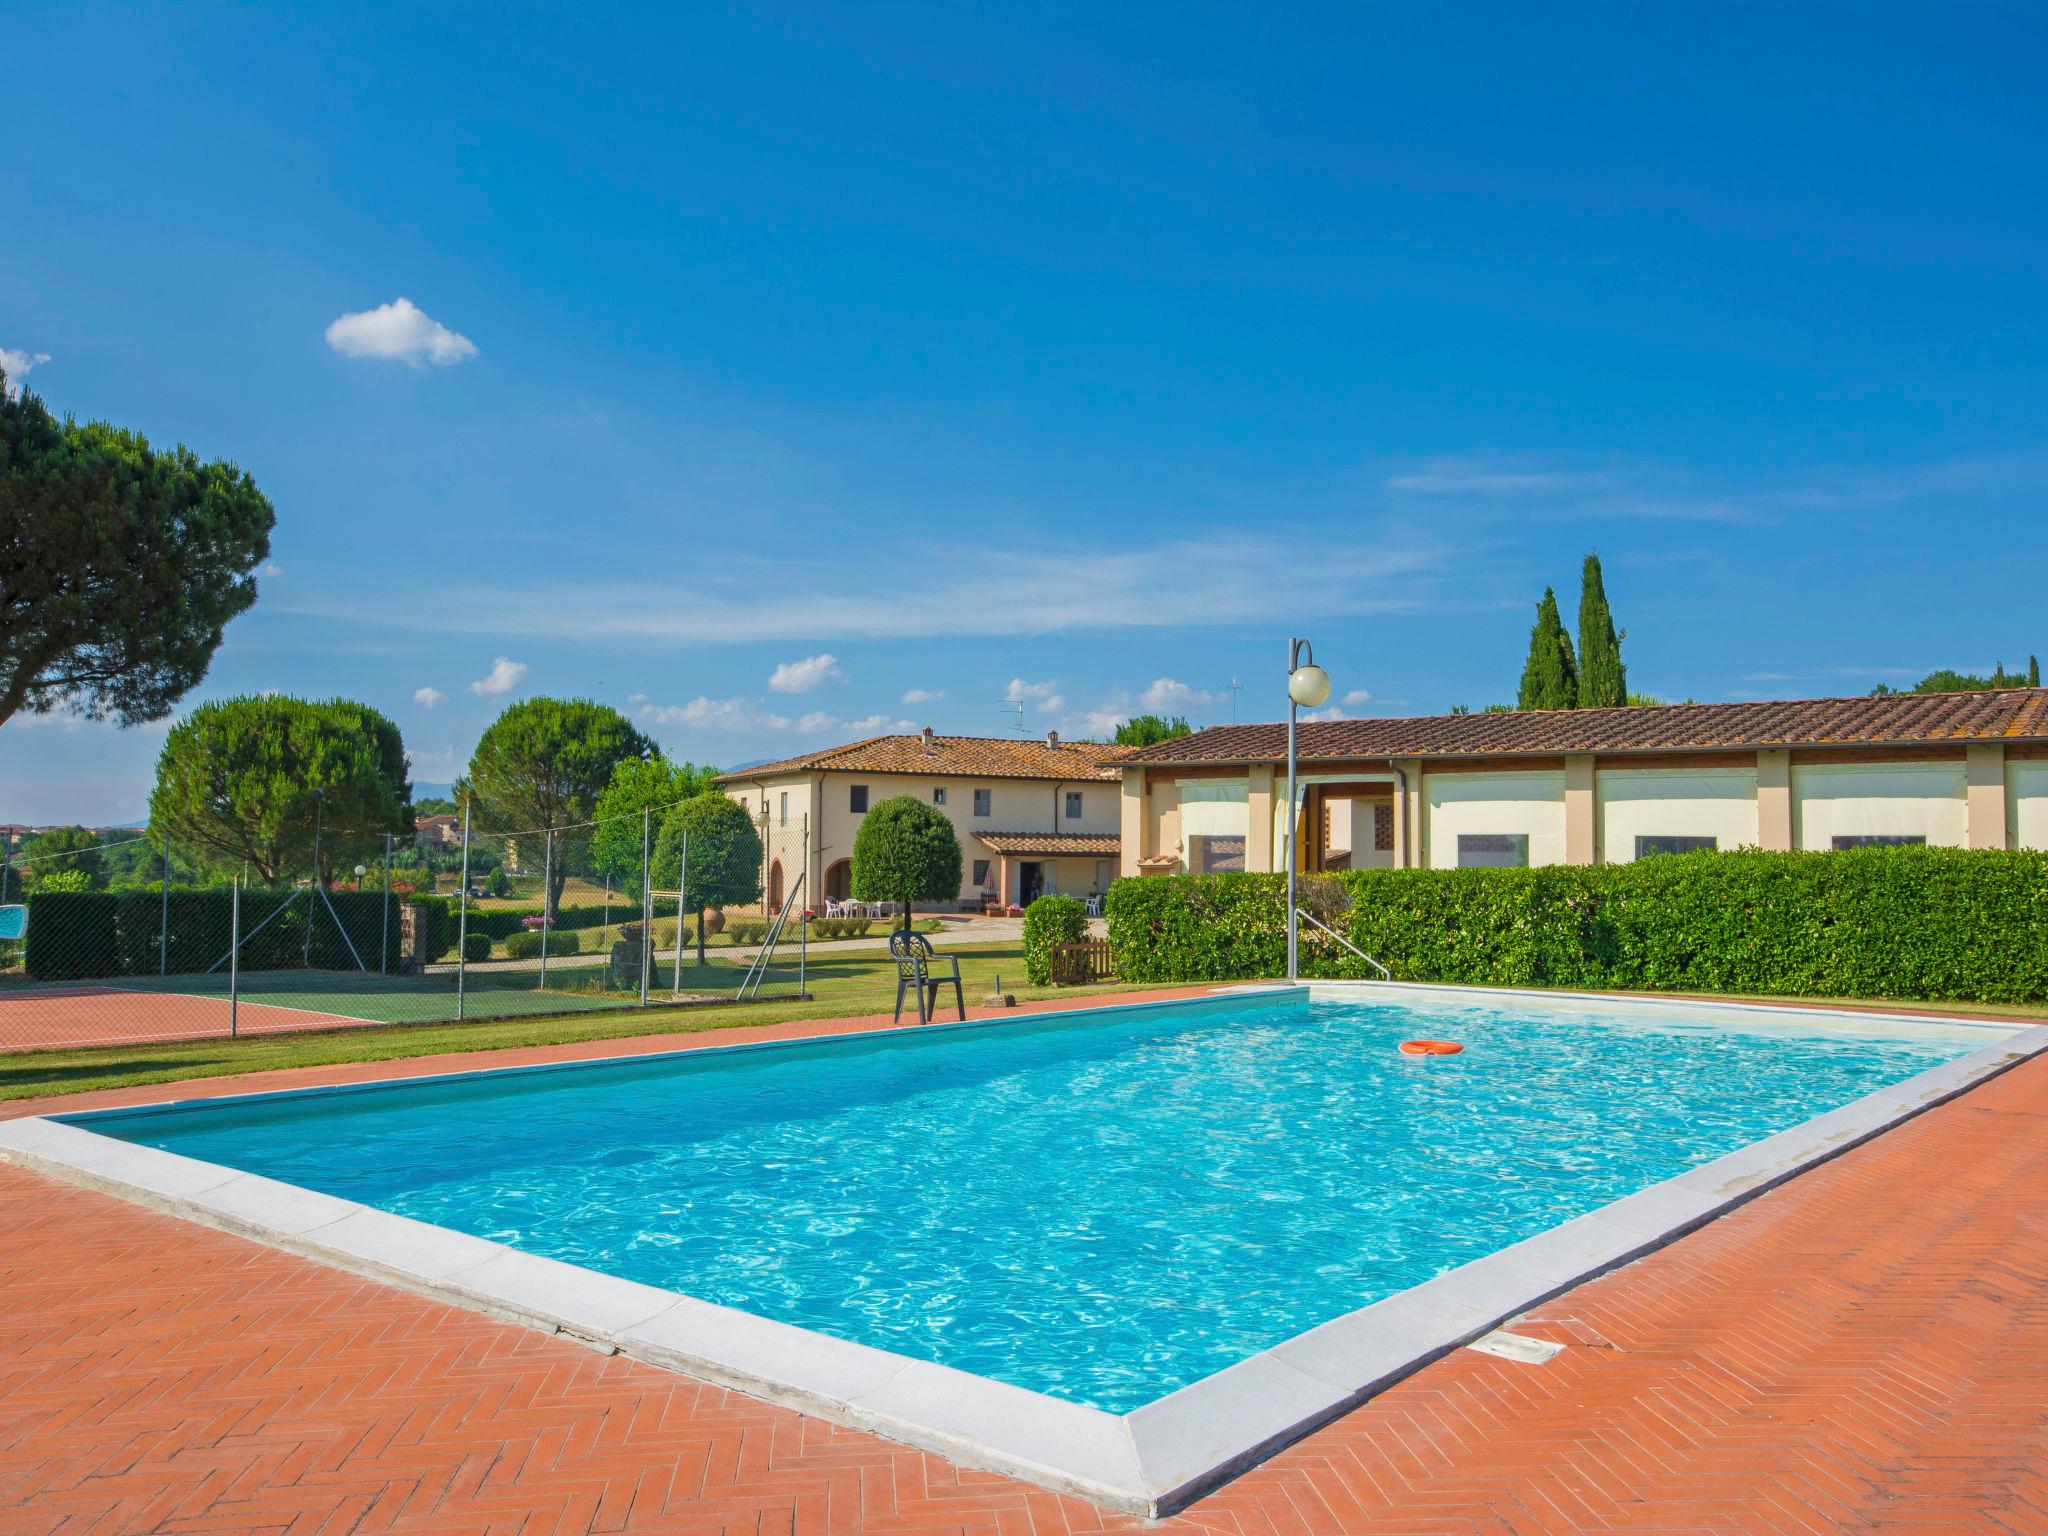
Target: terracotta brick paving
x,y
1865,1349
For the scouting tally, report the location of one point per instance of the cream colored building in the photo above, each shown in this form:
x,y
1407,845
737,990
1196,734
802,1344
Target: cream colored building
x,y
1033,816
1962,770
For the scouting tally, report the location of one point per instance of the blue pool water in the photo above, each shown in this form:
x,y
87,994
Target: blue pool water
x,y
1103,1207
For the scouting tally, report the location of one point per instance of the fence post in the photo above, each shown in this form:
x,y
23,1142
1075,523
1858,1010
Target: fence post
x,y
234,954
675,981
384,938
462,928
803,935
547,891
319,806
163,932
646,900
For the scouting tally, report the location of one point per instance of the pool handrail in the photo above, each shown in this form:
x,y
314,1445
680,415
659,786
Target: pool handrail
x,y
1385,974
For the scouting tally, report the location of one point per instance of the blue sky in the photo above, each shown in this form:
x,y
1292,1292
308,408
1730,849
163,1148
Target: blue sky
x,y
1075,355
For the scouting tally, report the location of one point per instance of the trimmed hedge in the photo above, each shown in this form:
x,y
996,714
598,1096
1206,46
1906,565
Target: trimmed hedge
x,y
1906,922
503,922
526,944
1048,921
71,935
78,935
476,947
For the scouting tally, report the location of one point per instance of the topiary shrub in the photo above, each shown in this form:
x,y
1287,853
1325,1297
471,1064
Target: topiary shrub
x,y
522,946
475,947
906,851
1048,921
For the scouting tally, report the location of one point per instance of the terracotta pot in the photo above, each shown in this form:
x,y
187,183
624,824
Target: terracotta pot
x,y
714,921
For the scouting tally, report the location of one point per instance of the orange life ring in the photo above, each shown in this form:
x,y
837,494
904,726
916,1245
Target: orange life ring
x,y
1430,1048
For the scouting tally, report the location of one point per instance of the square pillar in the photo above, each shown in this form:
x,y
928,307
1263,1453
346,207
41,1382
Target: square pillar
x,y
1579,841
1259,852
1985,778
1774,799
1408,814
1134,825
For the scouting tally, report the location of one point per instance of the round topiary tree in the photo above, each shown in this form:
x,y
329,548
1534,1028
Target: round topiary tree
x,y
906,851
725,855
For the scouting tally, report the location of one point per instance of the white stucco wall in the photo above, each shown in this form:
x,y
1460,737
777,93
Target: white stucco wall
x,y
1653,802
1529,804
1879,799
2026,805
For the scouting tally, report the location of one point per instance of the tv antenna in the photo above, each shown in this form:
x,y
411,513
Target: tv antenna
x,y
1017,705
1235,685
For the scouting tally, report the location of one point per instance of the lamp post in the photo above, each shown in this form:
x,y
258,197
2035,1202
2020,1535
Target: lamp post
x,y
1307,684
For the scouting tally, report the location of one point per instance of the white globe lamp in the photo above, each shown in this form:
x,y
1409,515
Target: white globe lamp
x,y
1309,686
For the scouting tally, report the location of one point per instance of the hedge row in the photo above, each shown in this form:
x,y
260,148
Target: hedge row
x,y
1906,922
80,935
503,922
526,945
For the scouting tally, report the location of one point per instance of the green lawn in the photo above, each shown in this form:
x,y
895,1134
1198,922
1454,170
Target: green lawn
x,y
845,983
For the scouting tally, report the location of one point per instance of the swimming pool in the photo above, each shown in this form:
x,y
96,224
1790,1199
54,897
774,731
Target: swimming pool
x,y
1103,1207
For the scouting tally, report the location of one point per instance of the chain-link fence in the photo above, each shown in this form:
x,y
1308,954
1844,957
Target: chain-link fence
x,y
127,940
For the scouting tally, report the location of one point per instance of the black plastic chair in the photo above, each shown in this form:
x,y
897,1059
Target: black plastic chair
x,y
915,963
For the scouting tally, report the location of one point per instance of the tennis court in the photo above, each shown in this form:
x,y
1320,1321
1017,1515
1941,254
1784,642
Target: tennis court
x,y
36,1016
42,1015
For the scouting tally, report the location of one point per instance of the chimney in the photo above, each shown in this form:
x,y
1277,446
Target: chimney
x,y
927,738
1052,738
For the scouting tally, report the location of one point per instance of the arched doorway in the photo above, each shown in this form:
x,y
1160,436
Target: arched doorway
x,y
775,886
839,880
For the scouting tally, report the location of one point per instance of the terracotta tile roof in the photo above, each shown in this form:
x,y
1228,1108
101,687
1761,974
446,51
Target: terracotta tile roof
x,y
1105,844
2002,714
974,757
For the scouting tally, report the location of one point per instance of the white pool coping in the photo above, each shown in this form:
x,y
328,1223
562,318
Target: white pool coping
x,y
1149,1461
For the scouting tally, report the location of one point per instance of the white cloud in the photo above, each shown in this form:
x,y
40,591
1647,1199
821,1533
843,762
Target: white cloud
x,y
427,698
1357,698
924,695
802,676
399,331
1456,478
1220,579
504,676
701,713
437,764
270,568
1169,694
17,363
1102,723
636,698
1045,695
1334,712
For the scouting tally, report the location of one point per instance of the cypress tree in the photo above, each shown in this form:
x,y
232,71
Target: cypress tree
x,y
1603,680
1550,678
2033,671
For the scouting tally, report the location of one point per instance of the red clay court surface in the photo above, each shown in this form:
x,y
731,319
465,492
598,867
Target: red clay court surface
x,y
1863,1349
52,1015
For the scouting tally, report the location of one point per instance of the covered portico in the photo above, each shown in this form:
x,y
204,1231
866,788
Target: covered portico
x,y
1022,866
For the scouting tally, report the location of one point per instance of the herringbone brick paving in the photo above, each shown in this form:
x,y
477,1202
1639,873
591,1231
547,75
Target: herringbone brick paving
x,y
1865,1349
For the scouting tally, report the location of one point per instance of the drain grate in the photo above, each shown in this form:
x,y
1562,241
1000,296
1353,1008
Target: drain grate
x,y
1516,1346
